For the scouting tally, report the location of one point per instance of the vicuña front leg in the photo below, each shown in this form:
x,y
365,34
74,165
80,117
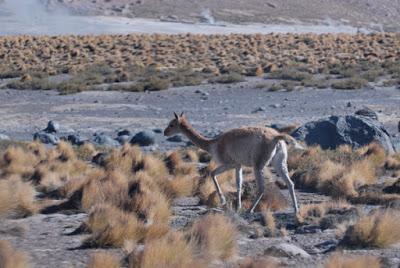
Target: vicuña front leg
x,y
239,182
258,172
214,174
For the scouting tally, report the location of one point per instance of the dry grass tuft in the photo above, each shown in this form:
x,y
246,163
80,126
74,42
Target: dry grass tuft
x,y
260,263
268,220
12,258
338,260
379,229
17,198
339,173
170,251
103,260
214,237
111,226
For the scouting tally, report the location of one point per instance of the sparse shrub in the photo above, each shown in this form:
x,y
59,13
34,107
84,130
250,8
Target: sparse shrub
x,y
227,78
379,229
33,84
170,251
289,74
258,263
103,260
214,237
112,227
338,260
12,258
350,83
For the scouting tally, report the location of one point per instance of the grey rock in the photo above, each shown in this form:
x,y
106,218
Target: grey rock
x,y
179,222
353,130
286,250
258,109
46,138
144,138
336,217
308,229
186,201
367,112
104,140
52,127
175,138
122,139
4,137
100,159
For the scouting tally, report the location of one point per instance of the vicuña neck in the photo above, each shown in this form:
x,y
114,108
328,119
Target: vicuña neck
x,y
195,137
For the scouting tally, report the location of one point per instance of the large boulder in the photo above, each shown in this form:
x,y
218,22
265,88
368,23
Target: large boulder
x,y
354,130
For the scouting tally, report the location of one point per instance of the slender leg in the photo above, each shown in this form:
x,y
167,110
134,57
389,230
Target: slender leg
x,y
239,182
280,165
214,174
258,171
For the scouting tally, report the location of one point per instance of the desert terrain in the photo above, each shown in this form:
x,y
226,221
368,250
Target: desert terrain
x,y
88,179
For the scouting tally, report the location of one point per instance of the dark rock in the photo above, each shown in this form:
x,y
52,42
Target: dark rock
x,y
124,132
327,246
100,159
308,229
52,127
104,140
46,138
367,112
179,222
158,130
336,217
123,139
393,189
144,138
398,126
76,139
353,130
175,138
258,109
4,137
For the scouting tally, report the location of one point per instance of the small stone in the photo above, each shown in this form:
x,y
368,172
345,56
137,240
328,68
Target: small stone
x,y
258,109
46,138
158,130
367,112
276,105
286,250
104,140
175,138
123,139
349,105
76,139
124,132
4,137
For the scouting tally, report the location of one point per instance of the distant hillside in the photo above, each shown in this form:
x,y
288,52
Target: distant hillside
x,y
375,13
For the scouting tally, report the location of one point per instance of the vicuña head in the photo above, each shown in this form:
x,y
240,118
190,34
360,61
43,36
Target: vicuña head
x,y
174,126
246,146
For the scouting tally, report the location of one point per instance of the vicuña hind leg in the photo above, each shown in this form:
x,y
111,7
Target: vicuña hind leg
x,y
258,172
239,182
280,165
214,174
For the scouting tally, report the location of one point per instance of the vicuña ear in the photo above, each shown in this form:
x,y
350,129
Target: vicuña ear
x,y
182,114
176,116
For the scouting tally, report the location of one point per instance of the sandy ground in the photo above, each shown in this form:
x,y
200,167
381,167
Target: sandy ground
x,y
211,108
